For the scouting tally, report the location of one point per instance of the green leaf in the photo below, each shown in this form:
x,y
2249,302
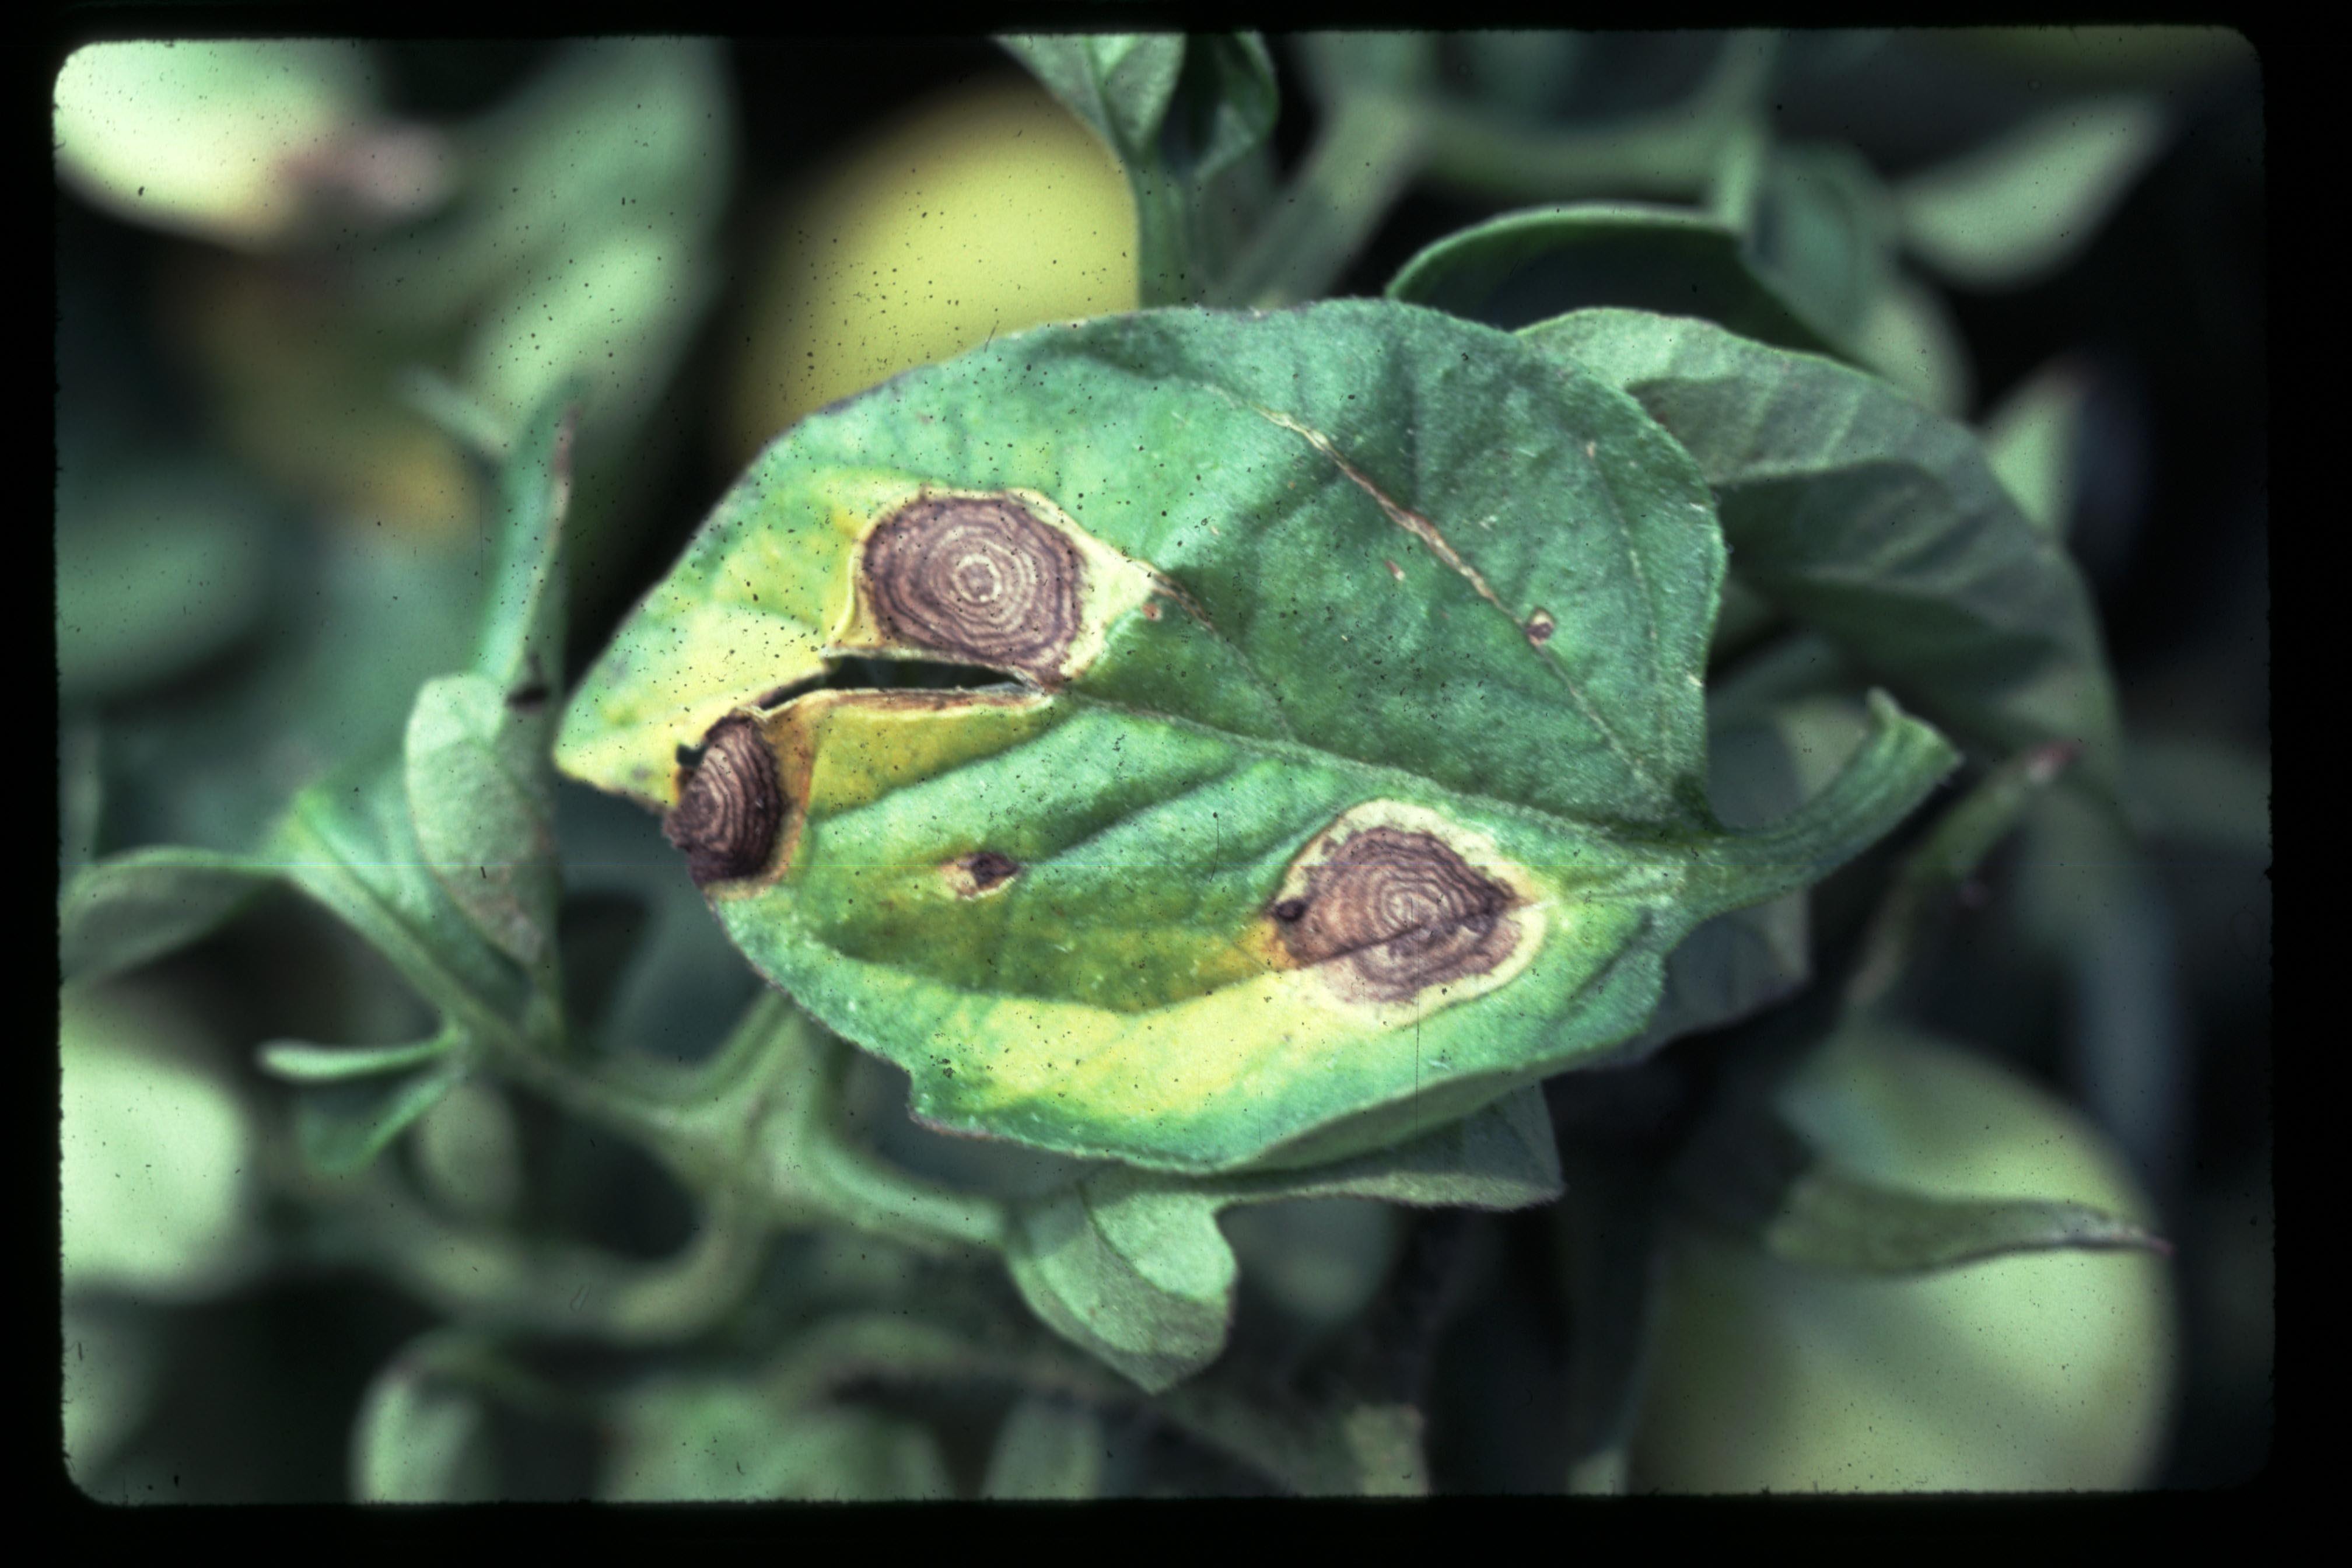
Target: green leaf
x,y
1179,110
2005,214
159,1146
352,847
1527,266
220,138
422,1435
1823,234
1136,1275
297,1062
1120,83
159,569
1666,138
1752,1170
1948,856
1876,522
2031,438
1822,231
480,783
342,1125
1767,753
1130,1266
134,908
614,135
1046,1449
485,831
1829,1219
521,649
1290,617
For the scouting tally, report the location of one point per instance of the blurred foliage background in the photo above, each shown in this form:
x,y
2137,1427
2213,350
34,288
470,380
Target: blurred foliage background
x,y
293,281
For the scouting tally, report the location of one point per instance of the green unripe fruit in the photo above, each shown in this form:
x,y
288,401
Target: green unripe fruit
x,y
2050,1371
977,215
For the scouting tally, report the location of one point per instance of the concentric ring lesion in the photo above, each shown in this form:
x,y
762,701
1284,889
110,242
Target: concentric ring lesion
x,y
731,805
980,579
1396,911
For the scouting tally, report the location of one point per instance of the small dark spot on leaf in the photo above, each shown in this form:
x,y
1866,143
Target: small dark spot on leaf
x,y
528,698
987,868
1540,626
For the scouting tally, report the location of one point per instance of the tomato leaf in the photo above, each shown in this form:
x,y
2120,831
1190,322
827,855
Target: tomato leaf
x,y
1350,770
1877,522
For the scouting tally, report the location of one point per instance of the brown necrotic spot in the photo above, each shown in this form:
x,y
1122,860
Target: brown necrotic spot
x,y
978,577
1396,913
1540,626
978,872
731,806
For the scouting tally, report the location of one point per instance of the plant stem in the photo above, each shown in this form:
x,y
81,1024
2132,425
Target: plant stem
x,y
1370,148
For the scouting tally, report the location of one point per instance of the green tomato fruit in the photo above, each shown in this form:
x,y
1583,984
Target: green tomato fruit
x,y
2043,1371
974,215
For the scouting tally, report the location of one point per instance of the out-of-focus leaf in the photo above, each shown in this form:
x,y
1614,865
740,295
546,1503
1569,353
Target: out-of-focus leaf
x,y
1528,266
157,571
468,1153
1321,1260
617,313
1626,114
123,911
1822,232
2017,209
304,391
357,840
226,139
298,1062
682,1441
1522,74
1179,110
2202,790
1046,1449
476,768
616,135
1944,860
1751,1170
115,1355
1131,1266
423,1434
215,766
1908,335
1828,1219
1876,521
354,849
342,1124
2030,440
158,1181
